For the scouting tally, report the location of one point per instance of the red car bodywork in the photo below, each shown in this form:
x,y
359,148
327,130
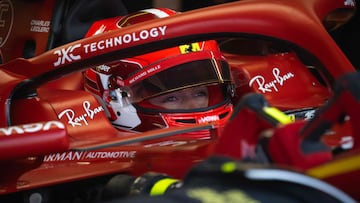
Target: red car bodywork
x,y
46,89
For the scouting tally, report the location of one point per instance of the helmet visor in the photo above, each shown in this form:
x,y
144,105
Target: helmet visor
x,y
182,76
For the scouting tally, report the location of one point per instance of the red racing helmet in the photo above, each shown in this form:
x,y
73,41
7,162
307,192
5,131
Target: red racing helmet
x,y
183,85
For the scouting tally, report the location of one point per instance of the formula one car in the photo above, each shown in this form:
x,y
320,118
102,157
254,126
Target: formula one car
x,y
55,135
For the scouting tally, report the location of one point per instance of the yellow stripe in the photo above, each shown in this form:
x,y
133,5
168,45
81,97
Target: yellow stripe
x,y
161,186
228,167
336,167
277,114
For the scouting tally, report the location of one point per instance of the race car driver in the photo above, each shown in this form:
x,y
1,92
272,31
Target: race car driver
x,y
183,85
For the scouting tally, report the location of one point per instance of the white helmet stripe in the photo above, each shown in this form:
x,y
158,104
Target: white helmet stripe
x,y
157,12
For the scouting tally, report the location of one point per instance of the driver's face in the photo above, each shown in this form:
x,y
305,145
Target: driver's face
x,y
191,98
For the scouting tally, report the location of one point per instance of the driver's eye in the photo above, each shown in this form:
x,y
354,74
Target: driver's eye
x,y
201,94
170,99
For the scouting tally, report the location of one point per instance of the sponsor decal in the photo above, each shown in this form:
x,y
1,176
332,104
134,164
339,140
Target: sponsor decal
x,y
142,74
75,119
31,128
66,55
124,39
208,119
103,68
309,115
88,155
39,26
187,48
272,85
6,20
302,115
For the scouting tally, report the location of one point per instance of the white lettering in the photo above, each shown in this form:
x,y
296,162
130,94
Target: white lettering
x,y
31,128
108,43
137,77
39,29
65,156
271,85
39,25
101,45
103,68
66,55
309,115
111,155
8,131
79,120
144,34
135,38
88,155
125,39
162,30
93,46
57,124
208,119
154,32
117,41
152,69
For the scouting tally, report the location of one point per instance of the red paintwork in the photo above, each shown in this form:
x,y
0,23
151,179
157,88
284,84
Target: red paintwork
x,y
33,139
298,22
342,178
294,81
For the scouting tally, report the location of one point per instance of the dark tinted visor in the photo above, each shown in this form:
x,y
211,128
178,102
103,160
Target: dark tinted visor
x,y
190,74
